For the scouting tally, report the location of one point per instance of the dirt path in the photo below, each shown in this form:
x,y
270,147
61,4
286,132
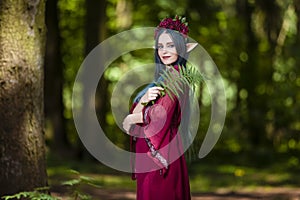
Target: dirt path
x,y
265,194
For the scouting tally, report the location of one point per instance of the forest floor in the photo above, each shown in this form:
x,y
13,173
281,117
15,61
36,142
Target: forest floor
x,y
238,177
263,194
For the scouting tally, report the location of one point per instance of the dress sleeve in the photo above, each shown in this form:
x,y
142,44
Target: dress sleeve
x,y
158,119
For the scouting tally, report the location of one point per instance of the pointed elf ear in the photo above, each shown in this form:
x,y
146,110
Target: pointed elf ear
x,y
190,46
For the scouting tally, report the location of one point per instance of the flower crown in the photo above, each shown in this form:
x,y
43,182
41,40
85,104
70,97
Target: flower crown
x,y
178,24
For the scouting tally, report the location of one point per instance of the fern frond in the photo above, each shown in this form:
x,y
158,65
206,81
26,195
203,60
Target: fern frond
x,y
33,195
177,85
174,82
182,71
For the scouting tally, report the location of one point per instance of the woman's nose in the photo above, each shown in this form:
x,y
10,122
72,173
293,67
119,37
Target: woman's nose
x,y
164,50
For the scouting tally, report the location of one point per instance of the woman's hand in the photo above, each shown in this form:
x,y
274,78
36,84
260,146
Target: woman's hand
x,y
151,94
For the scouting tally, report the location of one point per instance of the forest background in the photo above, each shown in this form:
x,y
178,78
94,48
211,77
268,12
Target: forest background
x,y
255,45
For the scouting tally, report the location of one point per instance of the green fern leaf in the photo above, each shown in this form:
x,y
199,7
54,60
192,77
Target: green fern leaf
x,y
173,82
71,182
169,93
177,83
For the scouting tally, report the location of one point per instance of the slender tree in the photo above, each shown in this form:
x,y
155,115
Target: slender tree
x,y
247,82
54,80
95,32
22,45
297,10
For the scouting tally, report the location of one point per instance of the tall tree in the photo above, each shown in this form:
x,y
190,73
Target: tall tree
x,y
249,77
95,32
297,10
54,79
22,45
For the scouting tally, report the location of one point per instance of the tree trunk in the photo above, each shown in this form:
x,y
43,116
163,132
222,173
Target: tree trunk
x,y
249,78
54,81
297,10
22,45
95,32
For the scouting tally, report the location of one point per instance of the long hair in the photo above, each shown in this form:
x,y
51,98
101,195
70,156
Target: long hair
x,y
180,45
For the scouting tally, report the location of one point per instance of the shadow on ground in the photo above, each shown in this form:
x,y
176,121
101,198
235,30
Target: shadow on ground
x,y
264,194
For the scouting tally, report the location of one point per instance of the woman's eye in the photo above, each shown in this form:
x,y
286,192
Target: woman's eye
x,y
171,46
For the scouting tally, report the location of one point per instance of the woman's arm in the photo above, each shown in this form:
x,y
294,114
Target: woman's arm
x,y
137,114
150,95
131,119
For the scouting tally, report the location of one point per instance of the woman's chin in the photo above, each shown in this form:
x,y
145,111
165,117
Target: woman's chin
x,y
167,63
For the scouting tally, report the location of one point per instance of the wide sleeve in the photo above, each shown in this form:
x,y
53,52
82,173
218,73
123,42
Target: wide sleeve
x,y
158,119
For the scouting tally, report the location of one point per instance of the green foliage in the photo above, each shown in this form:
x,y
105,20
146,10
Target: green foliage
x,y
231,171
76,184
174,82
255,50
75,187
37,194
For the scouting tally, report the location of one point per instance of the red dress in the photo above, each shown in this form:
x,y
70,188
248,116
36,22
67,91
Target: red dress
x,y
159,166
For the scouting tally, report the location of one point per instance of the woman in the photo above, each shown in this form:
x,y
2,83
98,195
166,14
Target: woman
x,y
156,119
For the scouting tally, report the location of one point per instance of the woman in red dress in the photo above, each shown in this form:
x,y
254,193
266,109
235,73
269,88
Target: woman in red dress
x,y
157,123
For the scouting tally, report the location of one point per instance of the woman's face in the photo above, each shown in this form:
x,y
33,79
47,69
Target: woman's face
x,y
166,49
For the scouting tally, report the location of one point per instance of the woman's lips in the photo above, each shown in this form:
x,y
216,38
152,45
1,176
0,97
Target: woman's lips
x,y
166,57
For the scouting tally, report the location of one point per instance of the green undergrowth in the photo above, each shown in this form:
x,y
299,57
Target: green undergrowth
x,y
218,170
244,171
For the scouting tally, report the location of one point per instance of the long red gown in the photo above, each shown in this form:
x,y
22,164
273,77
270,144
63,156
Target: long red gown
x,y
160,170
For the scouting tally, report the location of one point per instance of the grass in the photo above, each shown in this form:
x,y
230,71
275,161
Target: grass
x,y
218,171
246,171
59,170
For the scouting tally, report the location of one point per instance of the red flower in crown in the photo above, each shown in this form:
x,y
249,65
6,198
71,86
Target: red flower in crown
x,y
178,24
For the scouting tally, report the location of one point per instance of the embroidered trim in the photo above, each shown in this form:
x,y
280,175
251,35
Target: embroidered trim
x,y
146,115
156,154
